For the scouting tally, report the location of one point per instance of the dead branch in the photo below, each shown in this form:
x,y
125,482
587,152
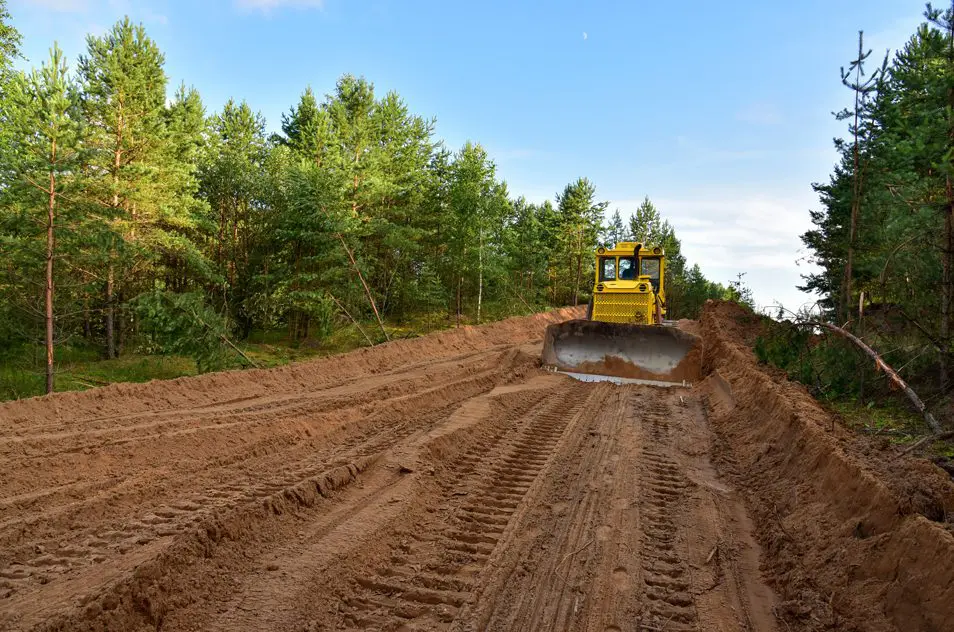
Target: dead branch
x,y
367,290
223,338
928,439
882,366
352,319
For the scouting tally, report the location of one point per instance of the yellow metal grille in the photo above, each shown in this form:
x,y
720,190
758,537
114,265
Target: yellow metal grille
x,y
623,308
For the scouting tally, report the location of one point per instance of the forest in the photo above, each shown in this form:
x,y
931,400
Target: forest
x,y
136,225
883,236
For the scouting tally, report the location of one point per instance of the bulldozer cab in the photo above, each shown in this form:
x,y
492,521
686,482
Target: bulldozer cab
x,y
629,284
624,338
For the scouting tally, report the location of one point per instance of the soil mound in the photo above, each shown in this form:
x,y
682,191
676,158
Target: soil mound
x,y
121,399
854,537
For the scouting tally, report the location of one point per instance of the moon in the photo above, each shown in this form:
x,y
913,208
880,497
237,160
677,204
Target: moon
x,y
585,35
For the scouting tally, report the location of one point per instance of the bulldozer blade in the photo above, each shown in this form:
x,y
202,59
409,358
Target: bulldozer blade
x,y
593,350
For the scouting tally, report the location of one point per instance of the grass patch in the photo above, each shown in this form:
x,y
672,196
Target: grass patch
x,y
897,424
81,367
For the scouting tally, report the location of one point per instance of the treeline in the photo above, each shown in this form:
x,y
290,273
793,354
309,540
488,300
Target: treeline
x,y
687,289
129,219
883,236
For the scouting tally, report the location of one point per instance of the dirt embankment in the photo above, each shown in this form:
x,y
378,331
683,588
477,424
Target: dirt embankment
x,y
447,483
855,538
122,399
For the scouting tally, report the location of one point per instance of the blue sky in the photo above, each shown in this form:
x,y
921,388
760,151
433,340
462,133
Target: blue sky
x,y
720,112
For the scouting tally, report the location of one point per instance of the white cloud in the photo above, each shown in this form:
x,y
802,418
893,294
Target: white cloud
x,y
760,113
62,6
585,36
890,37
151,16
511,155
731,231
102,9
267,6
702,153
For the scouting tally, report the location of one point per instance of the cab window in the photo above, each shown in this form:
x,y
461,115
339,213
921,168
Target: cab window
x,y
627,268
651,269
607,268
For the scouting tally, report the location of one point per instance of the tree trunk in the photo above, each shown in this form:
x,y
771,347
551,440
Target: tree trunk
x,y
480,272
109,315
119,325
293,326
881,365
947,253
50,244
87,324
845,303
576,285
367,291
460,282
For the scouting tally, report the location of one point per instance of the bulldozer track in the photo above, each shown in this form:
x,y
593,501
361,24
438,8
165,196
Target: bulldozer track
x,y
432,575
662,495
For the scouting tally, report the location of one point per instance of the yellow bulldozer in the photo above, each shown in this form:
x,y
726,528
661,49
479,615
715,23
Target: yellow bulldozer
x,y
625,337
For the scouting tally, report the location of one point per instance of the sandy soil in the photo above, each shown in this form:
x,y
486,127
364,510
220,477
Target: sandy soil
x,y
447,483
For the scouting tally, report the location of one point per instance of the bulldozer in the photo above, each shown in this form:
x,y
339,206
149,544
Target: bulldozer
x,y
625,337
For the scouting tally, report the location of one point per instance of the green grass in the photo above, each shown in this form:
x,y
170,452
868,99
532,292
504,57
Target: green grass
x,y
80,366
897,424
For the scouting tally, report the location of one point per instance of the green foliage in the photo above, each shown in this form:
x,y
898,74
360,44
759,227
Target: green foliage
x,y
892,280
740,293
580,219
183,324
9,51
615,231
787,346
179,231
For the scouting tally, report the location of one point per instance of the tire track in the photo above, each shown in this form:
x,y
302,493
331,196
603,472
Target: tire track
x,y
432,574
155,510
665,574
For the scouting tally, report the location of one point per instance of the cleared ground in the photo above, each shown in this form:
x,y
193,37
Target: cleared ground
x,y
444,483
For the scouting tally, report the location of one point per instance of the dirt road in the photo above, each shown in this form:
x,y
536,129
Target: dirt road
x,y
444,483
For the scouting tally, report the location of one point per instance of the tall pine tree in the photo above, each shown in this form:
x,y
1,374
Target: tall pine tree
x,y
45,138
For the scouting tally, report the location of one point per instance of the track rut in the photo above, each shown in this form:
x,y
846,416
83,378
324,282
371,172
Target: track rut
x,y
459,489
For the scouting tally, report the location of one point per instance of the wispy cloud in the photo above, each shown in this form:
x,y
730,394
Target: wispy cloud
x,y
103,9
516,154
760,113
703,153
63,6
267,6
151,16
732,231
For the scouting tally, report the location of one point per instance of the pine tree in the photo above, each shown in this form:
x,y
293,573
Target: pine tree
x,y
615,230
232,181
9,51
124,94
308,131
182,232
9,40
860,128
478,204
580,226
944,21
46,146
